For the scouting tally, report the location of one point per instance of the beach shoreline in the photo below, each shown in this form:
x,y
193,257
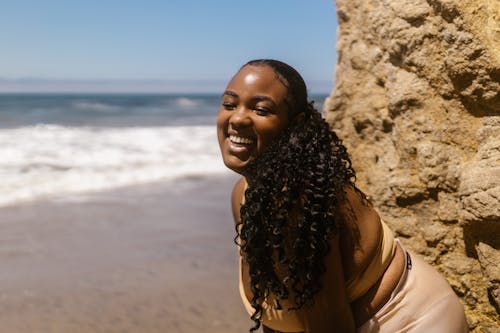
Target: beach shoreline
x,y
147,258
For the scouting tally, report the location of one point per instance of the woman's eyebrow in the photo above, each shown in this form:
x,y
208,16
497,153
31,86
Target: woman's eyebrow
x,y
230,93
254,99
260,98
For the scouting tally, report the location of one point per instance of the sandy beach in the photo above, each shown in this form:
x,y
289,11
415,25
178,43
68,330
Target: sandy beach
x,y
149,258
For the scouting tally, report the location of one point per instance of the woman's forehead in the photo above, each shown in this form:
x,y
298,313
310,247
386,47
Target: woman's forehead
x,y
261,76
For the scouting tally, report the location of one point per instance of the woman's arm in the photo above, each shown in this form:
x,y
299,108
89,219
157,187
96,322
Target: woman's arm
x,y
349,250
331,310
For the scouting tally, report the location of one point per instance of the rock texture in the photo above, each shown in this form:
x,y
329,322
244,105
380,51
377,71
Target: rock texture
x,y
417,102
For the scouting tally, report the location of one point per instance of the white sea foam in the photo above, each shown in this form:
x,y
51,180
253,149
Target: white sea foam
x,y
95,106
46,160
186,102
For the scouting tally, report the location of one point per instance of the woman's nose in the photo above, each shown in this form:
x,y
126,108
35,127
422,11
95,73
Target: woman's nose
x,y
240,118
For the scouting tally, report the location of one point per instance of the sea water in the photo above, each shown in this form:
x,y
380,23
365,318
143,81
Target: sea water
x,y
57,144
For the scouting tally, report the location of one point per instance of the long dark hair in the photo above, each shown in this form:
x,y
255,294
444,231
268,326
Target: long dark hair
x,y
291,205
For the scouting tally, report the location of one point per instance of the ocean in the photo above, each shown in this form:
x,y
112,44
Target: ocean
x,y
61,144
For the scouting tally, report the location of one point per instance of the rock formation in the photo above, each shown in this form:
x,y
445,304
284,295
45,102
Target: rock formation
x,y
417,102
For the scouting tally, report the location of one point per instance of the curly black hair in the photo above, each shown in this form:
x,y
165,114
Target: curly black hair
x,y
291,204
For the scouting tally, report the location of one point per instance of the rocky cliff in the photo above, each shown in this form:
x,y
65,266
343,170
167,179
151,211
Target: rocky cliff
x,y
417,102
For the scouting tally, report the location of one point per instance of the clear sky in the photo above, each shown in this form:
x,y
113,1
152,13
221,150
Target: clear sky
x,y
153,42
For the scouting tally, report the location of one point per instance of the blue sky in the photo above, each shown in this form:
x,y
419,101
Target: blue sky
x,y
158,43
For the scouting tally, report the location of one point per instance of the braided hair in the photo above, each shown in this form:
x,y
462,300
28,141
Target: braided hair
x,y
290,208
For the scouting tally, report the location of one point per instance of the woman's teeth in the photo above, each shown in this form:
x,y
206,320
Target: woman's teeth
x,y
239,139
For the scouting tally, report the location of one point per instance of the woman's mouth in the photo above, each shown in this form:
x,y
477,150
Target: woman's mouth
x,y
240,144
240,140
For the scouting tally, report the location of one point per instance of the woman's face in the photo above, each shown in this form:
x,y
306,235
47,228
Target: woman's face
x,y
252,114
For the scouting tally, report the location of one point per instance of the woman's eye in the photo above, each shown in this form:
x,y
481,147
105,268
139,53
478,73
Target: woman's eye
x,y
261,111
228,106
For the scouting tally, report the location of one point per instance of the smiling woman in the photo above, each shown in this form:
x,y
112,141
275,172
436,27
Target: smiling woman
x,y
314,255
252,114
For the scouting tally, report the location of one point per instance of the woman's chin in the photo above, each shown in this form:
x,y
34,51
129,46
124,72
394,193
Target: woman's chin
x,y
237,165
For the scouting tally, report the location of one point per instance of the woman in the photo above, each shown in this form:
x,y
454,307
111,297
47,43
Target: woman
x,y
314,255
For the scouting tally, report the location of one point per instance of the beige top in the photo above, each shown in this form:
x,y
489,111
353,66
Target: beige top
x,y
290,321
359,284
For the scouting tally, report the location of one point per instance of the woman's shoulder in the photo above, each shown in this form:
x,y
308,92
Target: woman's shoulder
x,y
361,232
356,211
237,198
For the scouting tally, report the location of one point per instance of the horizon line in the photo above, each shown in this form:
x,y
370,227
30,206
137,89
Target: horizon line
x,y
100,85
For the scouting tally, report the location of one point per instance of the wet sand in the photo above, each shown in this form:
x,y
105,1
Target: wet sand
x,y
152,258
